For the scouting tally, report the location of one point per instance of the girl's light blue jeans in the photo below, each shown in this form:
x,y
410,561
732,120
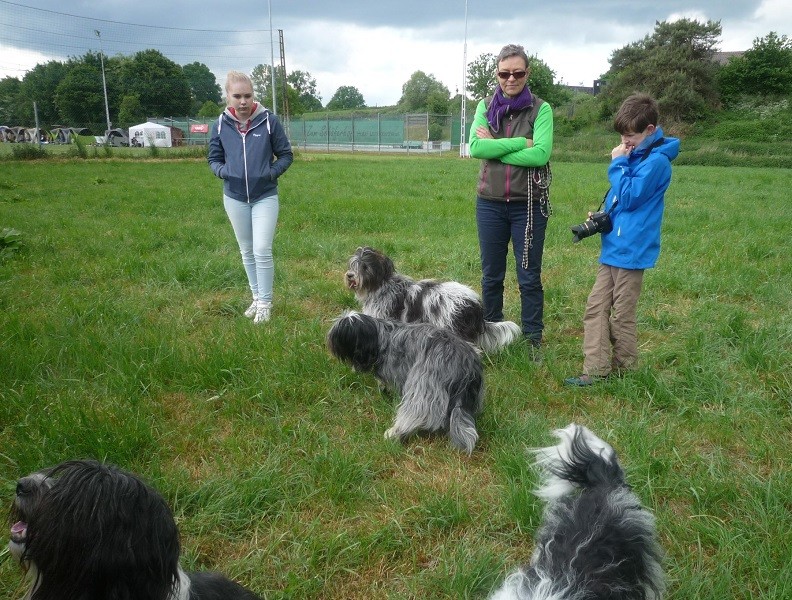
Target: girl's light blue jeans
x,y
254,228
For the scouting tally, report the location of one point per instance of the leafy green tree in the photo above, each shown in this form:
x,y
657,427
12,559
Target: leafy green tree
x,y
80,97
130,111
437,103
305,86
39,85
203,85
210,109
10,101
417,90
542,83
262,88
481,76
674,65
261,77
346,97
765,70
160,83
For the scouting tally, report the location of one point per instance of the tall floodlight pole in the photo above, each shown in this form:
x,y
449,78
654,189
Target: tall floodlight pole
x,y
104,81
462,145
272,61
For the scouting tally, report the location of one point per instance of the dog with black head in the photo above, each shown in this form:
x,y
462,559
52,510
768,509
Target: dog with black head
x,y
85,530
438,375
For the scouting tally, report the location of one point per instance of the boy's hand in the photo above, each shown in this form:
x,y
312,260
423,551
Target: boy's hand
x,y
621,150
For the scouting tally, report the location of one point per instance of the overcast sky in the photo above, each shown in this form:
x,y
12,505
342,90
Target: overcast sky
x,y
373,45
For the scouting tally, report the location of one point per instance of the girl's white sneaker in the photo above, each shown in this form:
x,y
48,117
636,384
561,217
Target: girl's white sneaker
x,y
263,310
251,310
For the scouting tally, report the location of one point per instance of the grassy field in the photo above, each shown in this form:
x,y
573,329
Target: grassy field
x,y
121,338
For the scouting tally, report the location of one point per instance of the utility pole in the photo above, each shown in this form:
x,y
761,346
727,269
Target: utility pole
x,y
104,82
272,61
463,151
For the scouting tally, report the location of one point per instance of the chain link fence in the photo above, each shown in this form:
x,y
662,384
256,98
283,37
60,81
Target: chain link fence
x,y
377,133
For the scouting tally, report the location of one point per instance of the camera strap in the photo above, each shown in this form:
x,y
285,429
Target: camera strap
x,y
602,204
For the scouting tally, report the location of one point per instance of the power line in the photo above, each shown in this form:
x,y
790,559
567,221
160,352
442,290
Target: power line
x,y
62,14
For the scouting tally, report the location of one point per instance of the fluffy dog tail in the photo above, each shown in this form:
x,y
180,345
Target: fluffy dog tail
x,y
580,461
596,539
498,335
462,429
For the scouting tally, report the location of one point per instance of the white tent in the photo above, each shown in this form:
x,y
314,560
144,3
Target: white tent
x,y
150,134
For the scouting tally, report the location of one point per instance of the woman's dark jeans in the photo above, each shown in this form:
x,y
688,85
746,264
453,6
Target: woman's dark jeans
x,y
498,223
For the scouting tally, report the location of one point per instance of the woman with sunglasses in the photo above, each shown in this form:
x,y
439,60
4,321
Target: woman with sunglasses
x,y
512,134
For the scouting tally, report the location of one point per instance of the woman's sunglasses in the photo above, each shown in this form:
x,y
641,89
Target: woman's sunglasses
x,y
516,74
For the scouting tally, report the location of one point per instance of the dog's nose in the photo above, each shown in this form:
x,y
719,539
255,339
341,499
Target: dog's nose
x,y
24,486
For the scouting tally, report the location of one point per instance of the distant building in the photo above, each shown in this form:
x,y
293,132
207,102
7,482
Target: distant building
x,y
724,57
583,89
580,88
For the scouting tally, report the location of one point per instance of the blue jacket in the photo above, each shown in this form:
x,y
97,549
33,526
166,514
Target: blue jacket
x,y
249,163
638,184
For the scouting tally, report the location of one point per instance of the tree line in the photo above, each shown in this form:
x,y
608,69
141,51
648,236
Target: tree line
x,y
675,63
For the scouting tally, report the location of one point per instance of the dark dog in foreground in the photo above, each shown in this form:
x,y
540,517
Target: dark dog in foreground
x,y
384,293
438,376
84,530
596,540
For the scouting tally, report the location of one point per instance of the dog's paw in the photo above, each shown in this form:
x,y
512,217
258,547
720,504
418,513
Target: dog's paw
x,y
392,434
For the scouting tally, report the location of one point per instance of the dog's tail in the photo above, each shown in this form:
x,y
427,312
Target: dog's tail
x,y
497,335
462,429
580,460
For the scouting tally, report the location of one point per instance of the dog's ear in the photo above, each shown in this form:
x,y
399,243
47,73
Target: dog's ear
x,y
354,339
381,265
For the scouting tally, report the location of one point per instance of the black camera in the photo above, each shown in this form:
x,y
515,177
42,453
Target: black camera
x,y
598,222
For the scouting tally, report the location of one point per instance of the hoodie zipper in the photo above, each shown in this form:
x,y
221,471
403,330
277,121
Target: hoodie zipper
x,y
244,162
507,190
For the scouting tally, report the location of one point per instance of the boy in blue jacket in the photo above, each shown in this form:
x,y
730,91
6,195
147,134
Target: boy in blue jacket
x,y
639,175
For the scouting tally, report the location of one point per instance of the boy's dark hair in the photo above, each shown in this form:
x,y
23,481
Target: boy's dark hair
x,y
636,113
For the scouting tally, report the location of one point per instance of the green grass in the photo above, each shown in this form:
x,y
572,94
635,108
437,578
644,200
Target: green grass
x,y
122,339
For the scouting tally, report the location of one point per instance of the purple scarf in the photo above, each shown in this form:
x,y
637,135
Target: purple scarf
x,y
502,106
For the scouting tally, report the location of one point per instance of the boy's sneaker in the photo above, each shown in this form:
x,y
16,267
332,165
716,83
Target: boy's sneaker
x,y
263,310
251,310
584,380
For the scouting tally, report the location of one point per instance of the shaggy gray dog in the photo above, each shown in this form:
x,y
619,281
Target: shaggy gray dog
x,y
384,293
438,375
596,540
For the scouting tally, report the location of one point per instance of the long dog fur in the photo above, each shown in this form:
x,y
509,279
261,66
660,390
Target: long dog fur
x,y
596,540
84,530
384,293
438,376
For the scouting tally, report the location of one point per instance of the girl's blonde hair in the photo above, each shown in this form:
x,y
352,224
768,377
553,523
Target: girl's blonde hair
x,y
237,77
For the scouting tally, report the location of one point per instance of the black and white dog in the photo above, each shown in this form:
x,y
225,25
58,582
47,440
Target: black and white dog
x,y
596,539
84,530
438,375
384,293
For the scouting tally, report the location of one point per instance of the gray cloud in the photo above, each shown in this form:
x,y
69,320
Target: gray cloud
x,y
347,42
